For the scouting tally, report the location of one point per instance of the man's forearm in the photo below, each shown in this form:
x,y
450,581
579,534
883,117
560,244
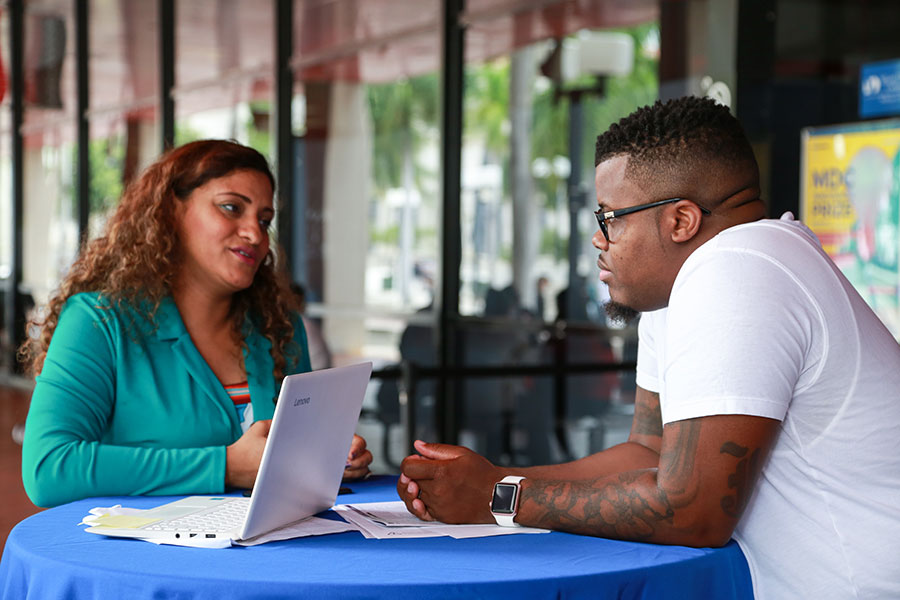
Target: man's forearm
x,y
628,456
627,506
695,497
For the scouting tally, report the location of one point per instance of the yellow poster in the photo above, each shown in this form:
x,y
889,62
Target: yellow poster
x,y
850,197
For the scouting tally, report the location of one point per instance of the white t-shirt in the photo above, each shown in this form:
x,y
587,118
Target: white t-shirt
x,y
761,322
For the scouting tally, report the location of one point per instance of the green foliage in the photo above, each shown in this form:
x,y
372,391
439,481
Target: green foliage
x,y
549,132
403,114
185,134
487,105
426,233
106,159
259,136
405,120
552,244
389,236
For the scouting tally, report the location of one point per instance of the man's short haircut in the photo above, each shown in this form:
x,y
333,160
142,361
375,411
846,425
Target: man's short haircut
x,y
678,135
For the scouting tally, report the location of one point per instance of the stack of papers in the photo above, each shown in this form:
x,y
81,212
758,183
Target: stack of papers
x,y
382,520
375,520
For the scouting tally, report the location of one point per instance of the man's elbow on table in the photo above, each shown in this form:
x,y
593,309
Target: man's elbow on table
x,y
711,537
677,532
695,518
702,528
699,533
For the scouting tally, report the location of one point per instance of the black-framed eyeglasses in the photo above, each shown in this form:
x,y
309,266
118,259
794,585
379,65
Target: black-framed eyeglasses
x,y
603,217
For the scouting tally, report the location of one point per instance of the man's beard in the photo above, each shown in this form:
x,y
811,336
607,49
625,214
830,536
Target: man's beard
x,y
620,312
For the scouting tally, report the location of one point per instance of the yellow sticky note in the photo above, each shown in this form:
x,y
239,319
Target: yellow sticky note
x,y
122,521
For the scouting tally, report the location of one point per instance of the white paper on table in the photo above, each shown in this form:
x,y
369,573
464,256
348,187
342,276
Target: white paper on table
x,y
95,513
372,530
391,514
461,532
306,527
383,520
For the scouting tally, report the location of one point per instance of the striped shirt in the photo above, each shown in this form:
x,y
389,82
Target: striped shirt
x,y
240,396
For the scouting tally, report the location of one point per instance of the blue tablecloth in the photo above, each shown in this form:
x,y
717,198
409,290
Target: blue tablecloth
x,y
48,556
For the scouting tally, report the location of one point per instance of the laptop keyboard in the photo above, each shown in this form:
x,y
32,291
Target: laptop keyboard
x,y
223,518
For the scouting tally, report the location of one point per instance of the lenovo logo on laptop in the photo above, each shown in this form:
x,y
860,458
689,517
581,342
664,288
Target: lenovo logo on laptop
x,y
299,401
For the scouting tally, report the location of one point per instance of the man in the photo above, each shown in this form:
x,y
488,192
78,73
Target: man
x,y
768,400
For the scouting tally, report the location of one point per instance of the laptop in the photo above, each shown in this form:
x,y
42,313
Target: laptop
x,y
299,475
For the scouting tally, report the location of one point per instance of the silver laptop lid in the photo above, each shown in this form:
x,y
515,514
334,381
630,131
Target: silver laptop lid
x,y
306,452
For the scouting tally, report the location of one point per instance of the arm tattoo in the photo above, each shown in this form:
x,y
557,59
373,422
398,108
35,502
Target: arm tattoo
x,y
740,480
648,418
612,507
630,505
677,462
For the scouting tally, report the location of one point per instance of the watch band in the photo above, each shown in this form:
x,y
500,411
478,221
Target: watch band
x,y
507,520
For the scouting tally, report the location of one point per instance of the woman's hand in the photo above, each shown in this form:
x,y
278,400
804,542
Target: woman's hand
x,y
358,459
242,458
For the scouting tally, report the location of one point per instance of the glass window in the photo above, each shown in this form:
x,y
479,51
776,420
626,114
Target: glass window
x,y
224,70
124,99
6,227
545,417
50,215
367,133
518,421
222,39
536,96
522,203
367,196
6,200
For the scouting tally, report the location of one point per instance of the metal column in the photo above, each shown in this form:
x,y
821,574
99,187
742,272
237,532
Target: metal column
x,y
167,73
446,405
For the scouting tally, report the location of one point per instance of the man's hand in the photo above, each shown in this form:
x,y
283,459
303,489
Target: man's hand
x,y
448,483
358,460
242,458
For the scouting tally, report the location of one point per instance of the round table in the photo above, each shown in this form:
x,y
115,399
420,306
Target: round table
x,y
49,556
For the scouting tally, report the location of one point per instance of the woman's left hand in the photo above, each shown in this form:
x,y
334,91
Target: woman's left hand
x,y
358,460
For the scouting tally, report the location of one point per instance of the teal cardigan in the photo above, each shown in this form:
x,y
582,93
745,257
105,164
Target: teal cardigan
x,y
125,408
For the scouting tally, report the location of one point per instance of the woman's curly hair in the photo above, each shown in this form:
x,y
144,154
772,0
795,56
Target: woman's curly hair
x,y
136,260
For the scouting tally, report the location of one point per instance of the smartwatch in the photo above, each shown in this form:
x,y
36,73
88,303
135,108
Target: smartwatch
x,y
505,502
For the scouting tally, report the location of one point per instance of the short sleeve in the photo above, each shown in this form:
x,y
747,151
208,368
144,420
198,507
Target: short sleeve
x,y
738,328
647,357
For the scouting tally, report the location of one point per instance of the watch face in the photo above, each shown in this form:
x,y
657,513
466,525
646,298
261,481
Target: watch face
x,y
504,498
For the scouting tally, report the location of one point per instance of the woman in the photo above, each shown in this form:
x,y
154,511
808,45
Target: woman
x,y
161,355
